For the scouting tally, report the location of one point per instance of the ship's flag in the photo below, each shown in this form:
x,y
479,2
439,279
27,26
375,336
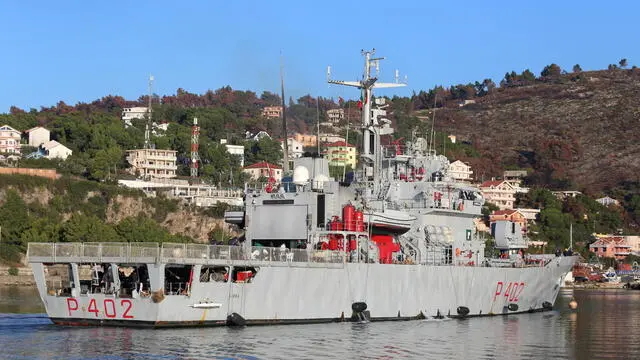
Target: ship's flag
x,y
340,100
360,104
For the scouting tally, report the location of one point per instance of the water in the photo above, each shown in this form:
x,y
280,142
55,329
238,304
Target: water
x,y
605,326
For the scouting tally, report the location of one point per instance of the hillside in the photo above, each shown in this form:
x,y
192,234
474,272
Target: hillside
x,y
67,210
574,131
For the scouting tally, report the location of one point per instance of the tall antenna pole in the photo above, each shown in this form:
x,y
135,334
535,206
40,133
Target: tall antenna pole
x,y
285,153
344,164
195,157
147,130
432,136
318,122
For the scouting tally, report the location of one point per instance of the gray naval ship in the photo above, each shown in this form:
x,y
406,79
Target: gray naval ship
x,y
397,243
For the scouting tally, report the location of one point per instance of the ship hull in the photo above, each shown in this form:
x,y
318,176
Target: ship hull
x,y
290,293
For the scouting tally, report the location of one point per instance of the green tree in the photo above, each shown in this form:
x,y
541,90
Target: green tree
x,y
83,228
551,71
141,229
577,68
15,219
623,63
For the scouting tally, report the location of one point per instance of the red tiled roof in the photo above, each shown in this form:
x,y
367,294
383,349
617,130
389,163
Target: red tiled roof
x,y
491,183
611,240
339,143
262,165
504,212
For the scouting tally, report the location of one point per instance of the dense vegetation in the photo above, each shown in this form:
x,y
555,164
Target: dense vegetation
x,y
69,210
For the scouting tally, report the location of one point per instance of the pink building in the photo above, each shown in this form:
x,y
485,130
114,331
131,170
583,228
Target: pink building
x,y
611,247
264,169
9,140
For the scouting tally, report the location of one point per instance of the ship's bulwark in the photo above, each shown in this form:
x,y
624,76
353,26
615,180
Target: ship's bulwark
x,y
286,293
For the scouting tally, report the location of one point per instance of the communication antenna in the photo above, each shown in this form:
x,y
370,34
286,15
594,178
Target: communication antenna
x,y
285,148
195,139
147,130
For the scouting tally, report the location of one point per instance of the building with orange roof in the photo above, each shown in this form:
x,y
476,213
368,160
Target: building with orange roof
x,y
611,247
263,169
509,215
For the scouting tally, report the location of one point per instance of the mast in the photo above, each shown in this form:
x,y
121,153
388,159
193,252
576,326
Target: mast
x,y
318,122
571,236
371,151
147,130
285,152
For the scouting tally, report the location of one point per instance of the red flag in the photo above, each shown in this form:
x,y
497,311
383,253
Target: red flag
x,y
340,100
360,104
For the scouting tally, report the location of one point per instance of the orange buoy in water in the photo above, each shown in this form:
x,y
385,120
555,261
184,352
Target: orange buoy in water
x,y
573,304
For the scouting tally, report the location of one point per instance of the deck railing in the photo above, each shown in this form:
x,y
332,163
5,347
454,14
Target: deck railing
x,y
172,253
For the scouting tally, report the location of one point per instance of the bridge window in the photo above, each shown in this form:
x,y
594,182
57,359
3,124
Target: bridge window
x,y
58,279
177,279
214,274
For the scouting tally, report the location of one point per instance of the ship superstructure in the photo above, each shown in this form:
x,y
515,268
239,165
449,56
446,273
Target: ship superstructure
x,y
398,242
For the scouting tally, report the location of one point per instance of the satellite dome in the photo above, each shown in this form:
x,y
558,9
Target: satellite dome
x,y
300,175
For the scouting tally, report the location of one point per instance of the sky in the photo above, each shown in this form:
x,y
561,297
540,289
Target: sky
x,y
79,51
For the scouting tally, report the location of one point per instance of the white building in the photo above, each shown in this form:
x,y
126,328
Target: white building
x,y
272,111
294,148
460,171
138,112
335,115
606,201
331,138
501,193
9,140
55,150
38,136
152,163
237,150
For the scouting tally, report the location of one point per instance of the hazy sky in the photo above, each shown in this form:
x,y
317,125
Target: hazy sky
x,y
83,50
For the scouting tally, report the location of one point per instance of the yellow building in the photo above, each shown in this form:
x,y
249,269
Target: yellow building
x,y
306,140
340,153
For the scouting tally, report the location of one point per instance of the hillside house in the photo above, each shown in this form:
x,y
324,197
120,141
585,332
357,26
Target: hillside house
x,y
460,171
514,216
335,116
263,169
9,140
272,112
611,247
306,140
294,148
606,201
152,163
235,150
501,193
38,136
340,153
54,150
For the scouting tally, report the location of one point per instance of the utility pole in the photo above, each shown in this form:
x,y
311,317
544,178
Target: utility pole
x,y
318,121
285,136
147,130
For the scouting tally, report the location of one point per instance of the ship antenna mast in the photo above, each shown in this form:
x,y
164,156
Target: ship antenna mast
x,y
285,148
195,141
147,130
370,152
